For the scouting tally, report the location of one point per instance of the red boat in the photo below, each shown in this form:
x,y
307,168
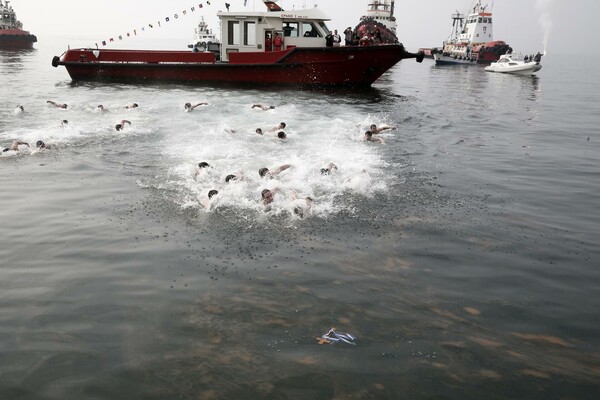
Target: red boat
x,y
274,47
11,34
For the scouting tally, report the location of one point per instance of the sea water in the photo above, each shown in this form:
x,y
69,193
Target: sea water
x,y
461,253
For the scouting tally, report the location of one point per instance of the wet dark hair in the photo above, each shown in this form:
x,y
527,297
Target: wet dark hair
x,y
4,150
283,125
134,105
22,108
203,164
373,126
39,144
324,171
188,105
230,177
64,106
100,106
272,107
281,135
118,127
264,192
211,193
259,131
369,133
64,121
263,171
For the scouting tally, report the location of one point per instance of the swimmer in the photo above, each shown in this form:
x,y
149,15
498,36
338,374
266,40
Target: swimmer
x,y
279,127
101,108
382,128
57,105
206,202
281,135
41,145
201,169
15,146
264,108
268,194
259,131
64,123
237,177
270,173
302,206
131,106
19,110
369,138
121,126
188,107
326,170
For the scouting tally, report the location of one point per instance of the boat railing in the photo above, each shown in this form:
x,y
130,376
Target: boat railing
x,y
137,56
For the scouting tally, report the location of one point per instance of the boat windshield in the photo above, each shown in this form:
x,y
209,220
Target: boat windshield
x,y
323,26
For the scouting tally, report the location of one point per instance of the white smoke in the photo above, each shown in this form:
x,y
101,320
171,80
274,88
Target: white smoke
x,y
543,8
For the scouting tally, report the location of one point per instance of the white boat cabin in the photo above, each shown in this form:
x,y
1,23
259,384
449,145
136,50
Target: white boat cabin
x,y
478,26
247,32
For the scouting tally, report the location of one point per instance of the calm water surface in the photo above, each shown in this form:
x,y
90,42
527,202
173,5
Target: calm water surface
x,y
463,254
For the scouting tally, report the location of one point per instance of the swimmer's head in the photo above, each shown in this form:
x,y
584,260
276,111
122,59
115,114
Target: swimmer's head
x,y
259,131
373,127
21,108
100,106
267,196
188,106
325,171
203,164
282,125
369,134
229,178
134,105
39,144
212,193
281,135
118,127
271,107
63,106
263,171
4,150
65,122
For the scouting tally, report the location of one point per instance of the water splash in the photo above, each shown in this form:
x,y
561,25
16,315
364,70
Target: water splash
x,y
543,8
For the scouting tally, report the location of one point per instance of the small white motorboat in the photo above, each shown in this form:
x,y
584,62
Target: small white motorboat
x,y
517,64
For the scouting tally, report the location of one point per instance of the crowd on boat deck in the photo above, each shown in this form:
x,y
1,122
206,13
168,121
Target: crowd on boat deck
x,y
301,204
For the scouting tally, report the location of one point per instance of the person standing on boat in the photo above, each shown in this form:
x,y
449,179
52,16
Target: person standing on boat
x,y
329,40
348,35
277,42
337,39
538,57
268,43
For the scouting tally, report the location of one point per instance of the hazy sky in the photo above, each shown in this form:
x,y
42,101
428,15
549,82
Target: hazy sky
x,y
422,23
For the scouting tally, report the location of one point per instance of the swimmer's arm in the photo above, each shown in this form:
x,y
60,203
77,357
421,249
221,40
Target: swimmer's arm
x,y
280,169
198,105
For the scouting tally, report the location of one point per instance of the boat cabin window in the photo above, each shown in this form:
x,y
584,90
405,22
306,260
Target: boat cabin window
x,y
485,20
291,29
490,20
250,33
479,20
324,27
233,33
310,30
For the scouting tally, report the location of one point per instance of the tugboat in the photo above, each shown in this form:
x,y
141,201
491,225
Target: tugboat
x,y
379,24
204,39
471,41
274,47
12,36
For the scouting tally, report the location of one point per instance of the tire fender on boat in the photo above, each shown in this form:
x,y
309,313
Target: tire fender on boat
x,y
55,61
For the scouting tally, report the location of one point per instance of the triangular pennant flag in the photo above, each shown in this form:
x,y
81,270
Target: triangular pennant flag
x,y
104,43
208,2
150,25
193,9
120,37
135,32
128,34
227,5
159,23
111,40
184,12
176,16
167,19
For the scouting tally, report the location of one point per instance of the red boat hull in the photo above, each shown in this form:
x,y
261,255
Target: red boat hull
x,y
327,66
16,39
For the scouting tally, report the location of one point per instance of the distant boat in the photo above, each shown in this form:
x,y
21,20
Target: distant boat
x,y
274,47
204,39
12,36
516,64
378,24
471,41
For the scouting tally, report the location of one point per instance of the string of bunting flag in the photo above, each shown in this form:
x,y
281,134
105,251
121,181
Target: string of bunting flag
x,y
160,22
